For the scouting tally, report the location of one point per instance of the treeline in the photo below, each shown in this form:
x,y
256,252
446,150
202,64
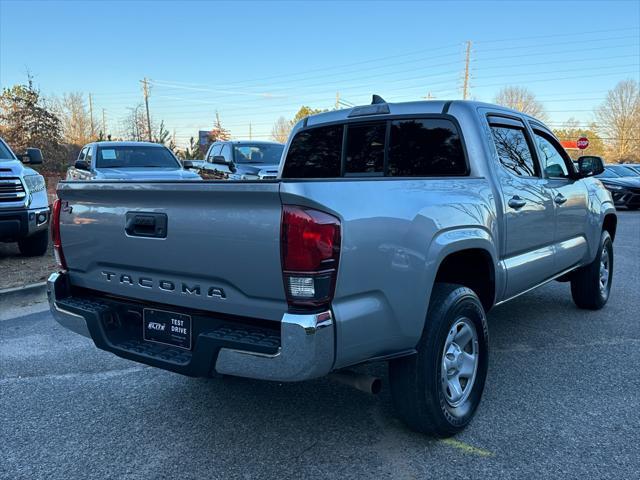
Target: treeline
x,y
61,126
615,133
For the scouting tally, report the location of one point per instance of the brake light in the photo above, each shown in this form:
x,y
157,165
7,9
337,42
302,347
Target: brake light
x,y
55,235
310,249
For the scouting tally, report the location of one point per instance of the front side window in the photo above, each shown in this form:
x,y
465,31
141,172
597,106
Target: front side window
x,y
425,147
552,161
88,155
513,150
365,148
82,154
214,152
315,153
226,152
125,156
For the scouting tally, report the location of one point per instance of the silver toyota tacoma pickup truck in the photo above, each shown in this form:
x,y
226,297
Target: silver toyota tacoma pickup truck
x,y
391,231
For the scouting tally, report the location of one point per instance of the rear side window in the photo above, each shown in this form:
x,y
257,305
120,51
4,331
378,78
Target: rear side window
x,y
426,147
513,150
365,148
315,153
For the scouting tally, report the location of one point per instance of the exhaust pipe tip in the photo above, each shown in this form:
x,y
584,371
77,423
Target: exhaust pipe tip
x,y
359,381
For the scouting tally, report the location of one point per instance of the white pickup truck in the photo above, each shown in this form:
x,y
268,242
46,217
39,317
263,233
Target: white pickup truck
x,y
24,206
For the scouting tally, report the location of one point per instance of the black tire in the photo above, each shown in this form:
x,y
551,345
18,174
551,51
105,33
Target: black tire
x,y
418,389
586,282
35,245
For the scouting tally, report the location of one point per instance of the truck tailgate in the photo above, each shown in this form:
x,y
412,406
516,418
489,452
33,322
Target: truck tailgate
x,y
219,252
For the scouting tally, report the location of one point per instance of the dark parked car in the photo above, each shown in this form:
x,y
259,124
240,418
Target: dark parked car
x,y
624,185
242,160
128,161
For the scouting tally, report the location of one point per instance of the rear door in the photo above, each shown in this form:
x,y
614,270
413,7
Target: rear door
x,y
570,197
528,208
211,246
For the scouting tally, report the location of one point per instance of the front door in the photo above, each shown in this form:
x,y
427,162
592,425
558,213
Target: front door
x,y
570,198
528,208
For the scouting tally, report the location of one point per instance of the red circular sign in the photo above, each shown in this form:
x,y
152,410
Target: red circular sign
x,y
582,143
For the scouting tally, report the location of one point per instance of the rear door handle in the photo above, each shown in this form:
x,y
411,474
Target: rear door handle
x,y
517,202
560,199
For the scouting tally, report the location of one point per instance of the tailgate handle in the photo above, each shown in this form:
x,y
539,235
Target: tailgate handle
x,y
143,224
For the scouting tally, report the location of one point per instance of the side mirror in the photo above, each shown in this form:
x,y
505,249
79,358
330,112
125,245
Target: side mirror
x,y
33,156
187,164
219,160
589,166
82,165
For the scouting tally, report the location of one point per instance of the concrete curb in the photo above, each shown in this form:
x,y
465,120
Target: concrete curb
x,y
34,292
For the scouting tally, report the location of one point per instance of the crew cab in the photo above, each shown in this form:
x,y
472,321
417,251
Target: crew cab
x,y
389,233
241,160
127,161
24,207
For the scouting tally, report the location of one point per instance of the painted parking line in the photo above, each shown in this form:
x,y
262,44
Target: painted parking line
x,y
466,448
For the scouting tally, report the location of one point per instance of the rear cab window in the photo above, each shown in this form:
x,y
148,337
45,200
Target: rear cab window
x,y
405,147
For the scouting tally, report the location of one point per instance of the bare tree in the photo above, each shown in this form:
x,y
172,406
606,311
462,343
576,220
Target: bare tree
x,y
281,129
521,99
619,121
134,125
75,118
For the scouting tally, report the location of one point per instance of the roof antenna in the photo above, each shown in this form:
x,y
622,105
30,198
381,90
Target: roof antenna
x,y
376,99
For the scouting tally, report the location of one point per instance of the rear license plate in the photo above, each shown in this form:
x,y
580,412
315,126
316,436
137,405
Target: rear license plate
x,y
166,327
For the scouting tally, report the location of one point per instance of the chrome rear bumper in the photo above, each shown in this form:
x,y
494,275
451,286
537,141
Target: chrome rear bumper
x,y
307,347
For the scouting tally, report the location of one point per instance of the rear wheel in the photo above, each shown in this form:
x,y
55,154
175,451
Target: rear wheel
x,y
591,284
438,390
34,245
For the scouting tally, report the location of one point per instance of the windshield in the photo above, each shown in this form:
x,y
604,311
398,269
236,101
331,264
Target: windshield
x,y
5,153
122,156
623,171
608,173
258,153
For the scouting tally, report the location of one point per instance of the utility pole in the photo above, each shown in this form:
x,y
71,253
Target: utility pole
x,y
465,87
104,124
250,132
337,100
93,130
145,91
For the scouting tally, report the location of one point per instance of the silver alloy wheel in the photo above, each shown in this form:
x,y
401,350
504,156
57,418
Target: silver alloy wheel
x,y
459,362
605,265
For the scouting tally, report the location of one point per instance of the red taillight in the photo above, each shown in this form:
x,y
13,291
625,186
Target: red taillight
x,y
55,235
310,247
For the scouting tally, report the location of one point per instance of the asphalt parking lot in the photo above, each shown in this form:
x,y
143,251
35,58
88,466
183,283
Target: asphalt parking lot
x,y
562,401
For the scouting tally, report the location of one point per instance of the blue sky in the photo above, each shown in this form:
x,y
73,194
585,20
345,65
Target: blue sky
x,y
255,61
